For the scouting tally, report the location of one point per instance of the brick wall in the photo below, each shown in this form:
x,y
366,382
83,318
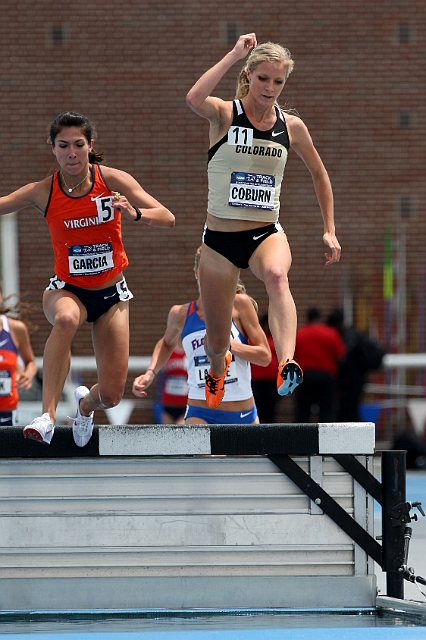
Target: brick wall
x,y
358,82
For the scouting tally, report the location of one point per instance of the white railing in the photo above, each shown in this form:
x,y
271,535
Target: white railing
x,y
140,363
29,409
80,364
404,361
398,394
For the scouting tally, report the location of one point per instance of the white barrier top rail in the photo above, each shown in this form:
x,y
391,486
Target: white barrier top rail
x,y
356,438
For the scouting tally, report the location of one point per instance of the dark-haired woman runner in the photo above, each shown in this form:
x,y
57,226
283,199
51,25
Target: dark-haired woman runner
x,y
83,205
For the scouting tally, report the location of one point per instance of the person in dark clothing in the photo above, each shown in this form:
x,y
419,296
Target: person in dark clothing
x,y
362,355
319,349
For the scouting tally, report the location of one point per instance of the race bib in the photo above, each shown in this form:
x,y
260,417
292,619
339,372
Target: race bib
x,y
5,383
123,291
252,190
176,386
202,367
240,136
105,209
90,259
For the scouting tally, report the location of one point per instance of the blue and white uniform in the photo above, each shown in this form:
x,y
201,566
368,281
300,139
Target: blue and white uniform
x,y
237,381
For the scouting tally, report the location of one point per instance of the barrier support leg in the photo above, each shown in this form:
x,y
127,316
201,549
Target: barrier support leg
x,y
393,493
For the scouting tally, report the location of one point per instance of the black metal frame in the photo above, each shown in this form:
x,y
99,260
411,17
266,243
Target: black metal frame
x,y
390,494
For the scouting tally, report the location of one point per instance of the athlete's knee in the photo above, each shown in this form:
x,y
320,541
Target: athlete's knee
x,y
276,279
109,397
66,323
215,346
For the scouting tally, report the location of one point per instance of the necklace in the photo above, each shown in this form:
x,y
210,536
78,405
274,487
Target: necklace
x,y
71,189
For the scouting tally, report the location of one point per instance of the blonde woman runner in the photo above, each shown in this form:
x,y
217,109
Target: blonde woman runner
x,y
249,141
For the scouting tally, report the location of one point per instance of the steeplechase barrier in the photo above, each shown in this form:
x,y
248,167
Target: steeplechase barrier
x,y
198,517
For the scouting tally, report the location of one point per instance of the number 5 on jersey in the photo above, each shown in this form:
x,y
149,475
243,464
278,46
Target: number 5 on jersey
x,y
105,209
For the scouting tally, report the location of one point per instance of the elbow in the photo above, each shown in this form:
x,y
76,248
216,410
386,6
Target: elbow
x,y
266,360
268,356
167,219
190,99
193,100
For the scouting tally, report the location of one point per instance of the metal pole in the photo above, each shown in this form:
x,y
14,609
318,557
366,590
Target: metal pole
x,y
400,305
9,254
393,493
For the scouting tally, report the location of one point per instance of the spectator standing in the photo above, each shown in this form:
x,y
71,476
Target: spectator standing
x,y
319,349
362,355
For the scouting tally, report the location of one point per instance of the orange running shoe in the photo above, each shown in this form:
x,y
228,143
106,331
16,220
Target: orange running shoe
x,y
290,375
215,387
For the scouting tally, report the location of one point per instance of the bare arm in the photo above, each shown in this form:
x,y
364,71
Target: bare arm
x,y
133,195
199,98
246,318
35,194
162,350
301,142
21,338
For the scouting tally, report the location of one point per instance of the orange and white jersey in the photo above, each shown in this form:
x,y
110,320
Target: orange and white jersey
x,y
86,233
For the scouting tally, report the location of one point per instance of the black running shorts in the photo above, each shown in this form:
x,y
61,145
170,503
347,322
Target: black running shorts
x,y
239,246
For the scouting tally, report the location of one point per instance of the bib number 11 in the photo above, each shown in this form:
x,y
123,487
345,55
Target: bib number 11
x,y
240,136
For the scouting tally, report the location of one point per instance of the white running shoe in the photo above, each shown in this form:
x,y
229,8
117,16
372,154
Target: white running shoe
x,y
40,429
82,427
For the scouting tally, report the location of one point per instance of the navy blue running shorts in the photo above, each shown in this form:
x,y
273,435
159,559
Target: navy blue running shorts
x,y
96,301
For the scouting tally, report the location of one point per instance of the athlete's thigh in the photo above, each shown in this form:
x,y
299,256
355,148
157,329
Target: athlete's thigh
x,y
61,303
195,420
110,334
272,253
218,282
